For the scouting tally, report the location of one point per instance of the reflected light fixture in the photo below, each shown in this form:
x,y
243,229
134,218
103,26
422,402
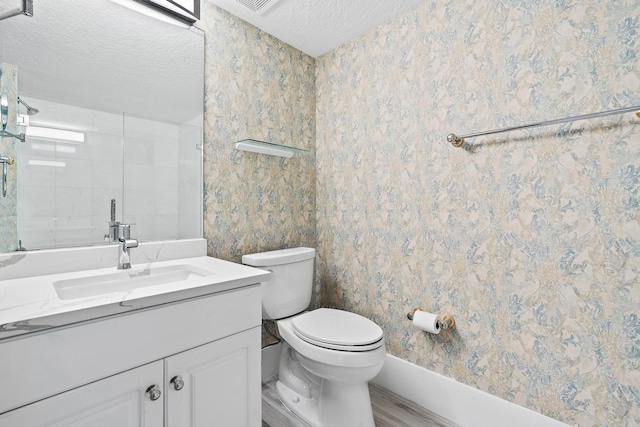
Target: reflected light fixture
x,y
53,147
51,133
50,163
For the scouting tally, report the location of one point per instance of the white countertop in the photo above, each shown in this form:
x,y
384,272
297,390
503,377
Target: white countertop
x,y
32,304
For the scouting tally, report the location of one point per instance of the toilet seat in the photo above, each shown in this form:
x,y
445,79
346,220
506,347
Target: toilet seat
x,y
338,330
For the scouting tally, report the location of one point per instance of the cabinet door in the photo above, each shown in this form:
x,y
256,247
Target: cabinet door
x,y
221,384
120,400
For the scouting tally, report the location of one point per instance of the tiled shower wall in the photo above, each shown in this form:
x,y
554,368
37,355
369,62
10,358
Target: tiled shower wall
x,y
530,240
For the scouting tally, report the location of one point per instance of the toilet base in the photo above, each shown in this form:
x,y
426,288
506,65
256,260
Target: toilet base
x,y
338,405
304,407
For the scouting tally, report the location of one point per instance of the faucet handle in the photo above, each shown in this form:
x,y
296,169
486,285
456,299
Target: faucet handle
x,y
124,231
113,210
114,232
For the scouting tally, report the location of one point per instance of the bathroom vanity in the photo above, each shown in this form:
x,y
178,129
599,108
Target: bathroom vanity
x,y
179,341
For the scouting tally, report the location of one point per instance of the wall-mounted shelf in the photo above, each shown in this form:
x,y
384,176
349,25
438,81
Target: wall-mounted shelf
x,y
268,148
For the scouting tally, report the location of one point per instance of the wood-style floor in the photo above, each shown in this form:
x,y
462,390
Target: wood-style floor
x,y
389,410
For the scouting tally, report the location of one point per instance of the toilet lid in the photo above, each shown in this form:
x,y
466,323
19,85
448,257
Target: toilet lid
x,y
337,329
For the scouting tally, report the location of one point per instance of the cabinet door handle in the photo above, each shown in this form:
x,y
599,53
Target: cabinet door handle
x,y
154,392
177,383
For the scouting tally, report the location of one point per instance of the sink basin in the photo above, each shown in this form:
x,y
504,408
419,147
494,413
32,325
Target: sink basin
x,y
126,281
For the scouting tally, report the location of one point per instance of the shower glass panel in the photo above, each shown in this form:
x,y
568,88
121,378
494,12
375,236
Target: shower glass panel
x,y
162,174
67,179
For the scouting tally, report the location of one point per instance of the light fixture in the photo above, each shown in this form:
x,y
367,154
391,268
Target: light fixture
x,y
263,148
187,10
11,8
148,11
51,133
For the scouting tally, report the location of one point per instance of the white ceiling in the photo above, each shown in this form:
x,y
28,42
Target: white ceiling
x,y
319,26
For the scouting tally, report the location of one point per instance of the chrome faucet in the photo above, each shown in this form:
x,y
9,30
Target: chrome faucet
x,y
125,242
121,234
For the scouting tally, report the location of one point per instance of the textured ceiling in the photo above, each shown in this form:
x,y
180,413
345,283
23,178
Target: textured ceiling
x,y
316,26
99,55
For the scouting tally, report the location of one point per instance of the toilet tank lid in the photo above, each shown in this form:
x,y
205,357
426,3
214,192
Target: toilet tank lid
x,y
282,256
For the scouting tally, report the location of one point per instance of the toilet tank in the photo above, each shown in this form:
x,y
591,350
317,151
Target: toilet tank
x,y
289,290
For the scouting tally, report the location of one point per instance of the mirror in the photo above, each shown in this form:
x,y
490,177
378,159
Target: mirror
x,y
127,91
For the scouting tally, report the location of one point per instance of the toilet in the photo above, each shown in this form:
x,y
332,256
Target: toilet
x,y
327,356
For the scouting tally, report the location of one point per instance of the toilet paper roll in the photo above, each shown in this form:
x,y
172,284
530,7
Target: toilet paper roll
x,y
427,321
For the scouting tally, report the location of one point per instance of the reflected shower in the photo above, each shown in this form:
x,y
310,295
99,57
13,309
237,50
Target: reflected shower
x,y
30,110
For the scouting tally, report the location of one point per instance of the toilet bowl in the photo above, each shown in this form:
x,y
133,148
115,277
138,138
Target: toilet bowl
x,y
327,355
328,386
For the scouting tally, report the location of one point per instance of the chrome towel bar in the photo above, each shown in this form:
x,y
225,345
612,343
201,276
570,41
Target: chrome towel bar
x,y
458,141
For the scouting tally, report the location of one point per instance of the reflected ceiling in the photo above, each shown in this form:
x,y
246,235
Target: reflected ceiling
x,y
78,52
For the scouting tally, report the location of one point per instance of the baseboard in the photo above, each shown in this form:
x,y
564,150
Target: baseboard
x,y
457,402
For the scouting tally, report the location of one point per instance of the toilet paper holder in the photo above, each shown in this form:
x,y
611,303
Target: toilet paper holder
x,y
447,321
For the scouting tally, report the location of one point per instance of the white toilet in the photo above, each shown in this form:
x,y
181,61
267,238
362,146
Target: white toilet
x,y
328,356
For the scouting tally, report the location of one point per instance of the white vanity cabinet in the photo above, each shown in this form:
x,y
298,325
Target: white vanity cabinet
x,y
188,363
115,401
218,384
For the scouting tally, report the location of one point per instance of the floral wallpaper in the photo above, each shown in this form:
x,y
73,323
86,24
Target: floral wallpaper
x,y
8,147
529,239
256,87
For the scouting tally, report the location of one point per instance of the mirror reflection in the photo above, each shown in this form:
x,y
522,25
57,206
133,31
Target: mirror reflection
x,y
111,104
